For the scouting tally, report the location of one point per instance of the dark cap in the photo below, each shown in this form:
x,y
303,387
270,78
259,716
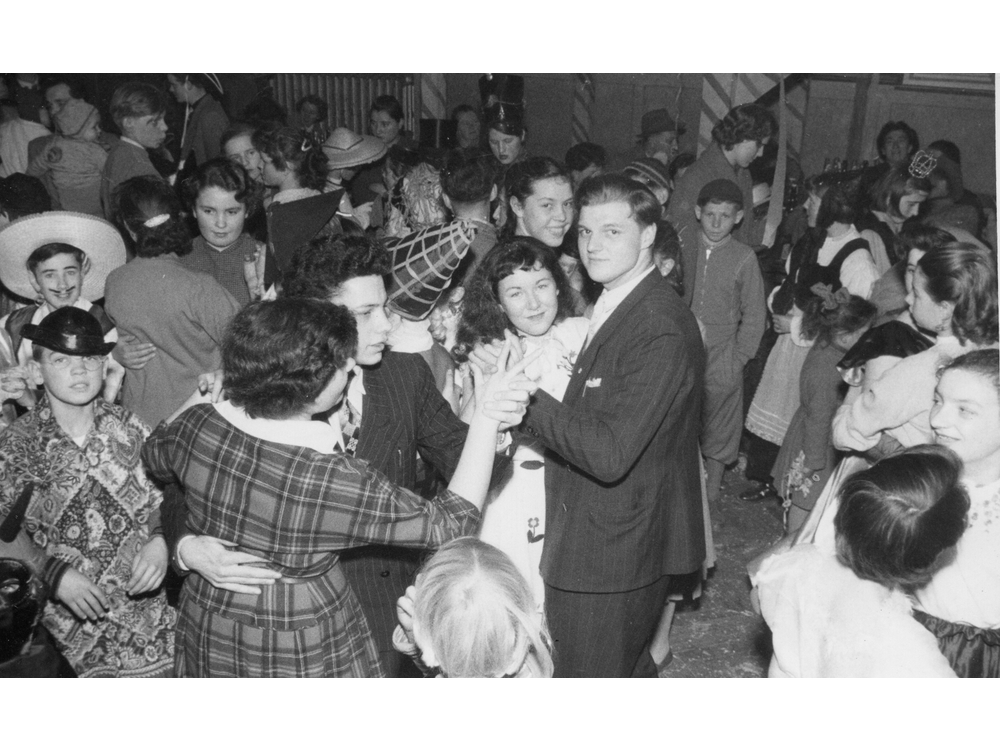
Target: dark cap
x,y
69,330
721,191
659,121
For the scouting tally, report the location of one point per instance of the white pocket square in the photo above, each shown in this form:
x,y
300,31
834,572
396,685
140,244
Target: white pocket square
x,y
594,383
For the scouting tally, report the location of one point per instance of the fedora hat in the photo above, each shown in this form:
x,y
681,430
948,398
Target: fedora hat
x,y
659,121
345,149
98,239
69,330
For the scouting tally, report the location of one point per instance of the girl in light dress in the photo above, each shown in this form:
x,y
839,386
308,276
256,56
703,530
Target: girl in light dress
x,y
520,290
850,614
823,255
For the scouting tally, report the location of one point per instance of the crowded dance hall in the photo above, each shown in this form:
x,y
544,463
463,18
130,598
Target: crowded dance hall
x,y
499,375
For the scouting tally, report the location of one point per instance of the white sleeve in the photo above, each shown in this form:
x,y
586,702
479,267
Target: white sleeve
x,y
879,253
858,273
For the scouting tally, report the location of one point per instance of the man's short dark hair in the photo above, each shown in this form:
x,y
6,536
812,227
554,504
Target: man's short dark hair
x,y
22,195
582,155
468,178
319,269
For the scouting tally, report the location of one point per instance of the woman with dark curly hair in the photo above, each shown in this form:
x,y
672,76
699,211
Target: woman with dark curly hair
x,y
261,474
292,163
520,291
297,169
737,140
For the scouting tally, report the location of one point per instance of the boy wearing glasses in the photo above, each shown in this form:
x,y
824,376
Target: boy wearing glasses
x,y
71,468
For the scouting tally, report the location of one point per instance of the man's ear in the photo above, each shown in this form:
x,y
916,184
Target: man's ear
x,y
739,216
34,282
697,212
516,207
85,266
493,193
647,236
447,202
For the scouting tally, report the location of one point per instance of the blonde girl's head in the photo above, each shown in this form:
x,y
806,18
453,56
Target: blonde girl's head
x,y
475,616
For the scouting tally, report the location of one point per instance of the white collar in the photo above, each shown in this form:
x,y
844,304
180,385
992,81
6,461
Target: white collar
x,y
134,143
318,436
614,297
293,194
411,336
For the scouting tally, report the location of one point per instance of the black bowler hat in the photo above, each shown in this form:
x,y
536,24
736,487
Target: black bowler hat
x,y
69,330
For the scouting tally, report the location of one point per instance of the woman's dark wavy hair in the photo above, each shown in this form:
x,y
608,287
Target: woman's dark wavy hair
x,y
288,148
897,518
965,275
747,122
483,318
520,183
139,199
279,355
821,326
319,269
228,176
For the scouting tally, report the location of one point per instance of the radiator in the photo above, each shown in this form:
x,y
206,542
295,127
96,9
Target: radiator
x,y
348,95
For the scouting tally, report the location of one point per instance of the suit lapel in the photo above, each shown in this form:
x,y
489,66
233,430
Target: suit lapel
x,y
375,413
617,318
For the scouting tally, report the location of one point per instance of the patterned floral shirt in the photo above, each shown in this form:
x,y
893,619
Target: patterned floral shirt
x,y
92,509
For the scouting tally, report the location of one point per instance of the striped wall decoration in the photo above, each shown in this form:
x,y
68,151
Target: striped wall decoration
x,y
720,92
349,96
796,100
583,101
433,95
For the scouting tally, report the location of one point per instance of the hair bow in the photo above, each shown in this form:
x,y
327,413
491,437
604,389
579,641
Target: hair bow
x,y
831,299
155,221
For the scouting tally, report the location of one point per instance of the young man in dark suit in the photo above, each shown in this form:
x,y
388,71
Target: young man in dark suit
x,y
623,497
400,412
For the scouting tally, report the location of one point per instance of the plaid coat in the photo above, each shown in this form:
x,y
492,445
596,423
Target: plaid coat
x,y
298,508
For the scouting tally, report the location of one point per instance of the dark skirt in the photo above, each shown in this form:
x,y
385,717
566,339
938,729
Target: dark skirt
x,y
971,651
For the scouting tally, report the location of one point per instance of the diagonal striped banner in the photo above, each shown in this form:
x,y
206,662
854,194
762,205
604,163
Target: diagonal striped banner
x,y
432,96
583,101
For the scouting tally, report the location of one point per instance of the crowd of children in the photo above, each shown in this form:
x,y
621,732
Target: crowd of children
x,y
196,353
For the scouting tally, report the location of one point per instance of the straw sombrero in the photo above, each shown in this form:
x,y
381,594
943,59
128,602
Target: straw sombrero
x,y
345,149
98,239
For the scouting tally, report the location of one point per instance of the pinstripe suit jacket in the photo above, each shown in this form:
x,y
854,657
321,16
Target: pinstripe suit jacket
x,y
403,412
623,493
